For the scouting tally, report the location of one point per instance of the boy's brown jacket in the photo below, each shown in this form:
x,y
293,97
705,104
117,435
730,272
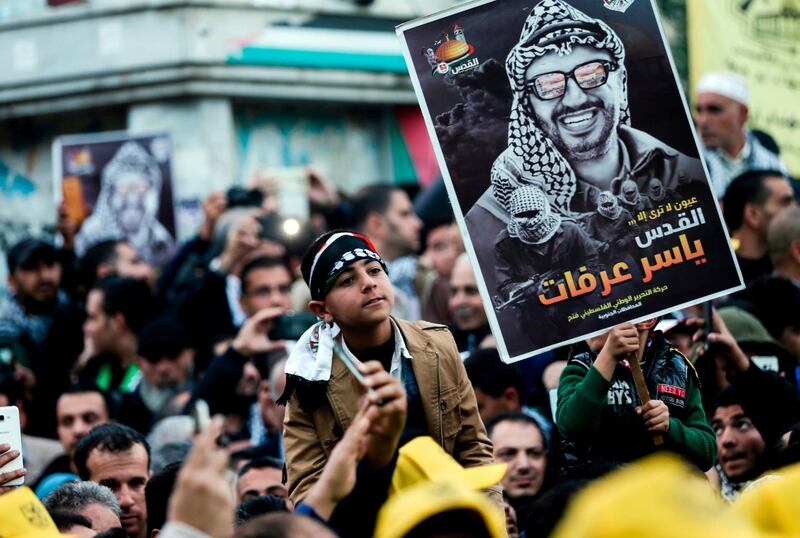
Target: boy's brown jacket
x,y
451,411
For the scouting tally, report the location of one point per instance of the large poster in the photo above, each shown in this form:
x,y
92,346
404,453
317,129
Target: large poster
x,y
570,158
119,186
760,40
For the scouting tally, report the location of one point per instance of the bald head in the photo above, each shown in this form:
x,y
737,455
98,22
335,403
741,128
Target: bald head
x,y
783,239
465,306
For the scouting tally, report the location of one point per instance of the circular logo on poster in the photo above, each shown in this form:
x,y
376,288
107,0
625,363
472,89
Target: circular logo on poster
x,y
442,68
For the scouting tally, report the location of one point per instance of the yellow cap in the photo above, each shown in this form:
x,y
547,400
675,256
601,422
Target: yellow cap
x,y
772,503
657,497
22,515
422,460
415,504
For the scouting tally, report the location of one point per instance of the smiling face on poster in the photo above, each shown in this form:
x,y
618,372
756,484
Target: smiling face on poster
x,y
570,156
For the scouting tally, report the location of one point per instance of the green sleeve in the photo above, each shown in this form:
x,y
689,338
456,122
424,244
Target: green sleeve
x,y
582,394
692,436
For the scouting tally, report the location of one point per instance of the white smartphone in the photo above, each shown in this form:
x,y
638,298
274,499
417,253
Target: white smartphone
x,y
11,434
201,415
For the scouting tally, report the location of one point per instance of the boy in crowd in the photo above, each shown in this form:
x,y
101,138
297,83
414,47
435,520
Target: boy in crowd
x,y
601,418
418,382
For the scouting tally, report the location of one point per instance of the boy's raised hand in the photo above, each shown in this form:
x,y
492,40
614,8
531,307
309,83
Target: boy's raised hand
x,y
386,413
622,341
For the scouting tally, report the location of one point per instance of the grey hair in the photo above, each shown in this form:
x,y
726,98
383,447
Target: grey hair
x,y
75,496
783,229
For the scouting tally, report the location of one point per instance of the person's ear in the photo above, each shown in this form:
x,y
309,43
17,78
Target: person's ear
x,y
104,270
744,114
374,225
318,309
794,251
752,215
118,322
512,396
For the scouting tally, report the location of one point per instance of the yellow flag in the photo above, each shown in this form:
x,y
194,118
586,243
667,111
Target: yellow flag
x,y
759,40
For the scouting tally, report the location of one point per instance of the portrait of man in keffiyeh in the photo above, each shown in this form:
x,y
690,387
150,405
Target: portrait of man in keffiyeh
x,y
569,131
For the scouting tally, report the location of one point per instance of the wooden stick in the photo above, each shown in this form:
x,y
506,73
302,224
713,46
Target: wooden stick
x,y
641,388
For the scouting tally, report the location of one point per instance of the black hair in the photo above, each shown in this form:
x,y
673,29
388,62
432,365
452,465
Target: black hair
x,y
113,532
65,520
371,199
10,387
746,188
545,512
766,291
491,375
259,506
104,252
311,252
274,525
127,296
157,493
111,437
82,388
262,262
514,416
263,462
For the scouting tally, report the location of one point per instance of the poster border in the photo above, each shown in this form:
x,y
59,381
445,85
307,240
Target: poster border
x,y
100,138
459,214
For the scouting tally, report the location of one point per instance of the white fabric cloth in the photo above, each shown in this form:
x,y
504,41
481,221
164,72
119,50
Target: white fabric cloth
x,y
312,356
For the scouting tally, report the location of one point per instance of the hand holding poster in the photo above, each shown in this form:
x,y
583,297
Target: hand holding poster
x,y
570,159
118,186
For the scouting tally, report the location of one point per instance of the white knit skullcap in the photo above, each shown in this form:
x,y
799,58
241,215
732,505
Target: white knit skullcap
x,y
726,84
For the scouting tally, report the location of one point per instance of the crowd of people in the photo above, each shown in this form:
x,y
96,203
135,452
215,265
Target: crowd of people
x,y
354,381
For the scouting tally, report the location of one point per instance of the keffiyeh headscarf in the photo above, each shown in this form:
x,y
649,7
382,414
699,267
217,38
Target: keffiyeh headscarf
x,y
629,193
655,190
552,27
608,205
532,221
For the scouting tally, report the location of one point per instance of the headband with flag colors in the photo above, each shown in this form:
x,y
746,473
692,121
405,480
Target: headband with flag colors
x,y
334,255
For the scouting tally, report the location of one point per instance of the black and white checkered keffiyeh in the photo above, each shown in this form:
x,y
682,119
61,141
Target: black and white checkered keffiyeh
x,y
553,26
608,205
532,221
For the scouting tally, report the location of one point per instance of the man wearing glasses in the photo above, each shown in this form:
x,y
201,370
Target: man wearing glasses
x,y
569,131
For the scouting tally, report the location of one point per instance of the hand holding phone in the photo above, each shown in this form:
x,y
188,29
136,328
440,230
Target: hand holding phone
x,y
12,472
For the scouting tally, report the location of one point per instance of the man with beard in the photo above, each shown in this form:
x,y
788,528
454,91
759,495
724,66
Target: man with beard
x,y
165,360
39,328
518,440
569,130
127,206
115,456
34,277
384,213
731,149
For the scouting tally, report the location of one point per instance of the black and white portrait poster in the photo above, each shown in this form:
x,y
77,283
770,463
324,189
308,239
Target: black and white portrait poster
x,y
118,186
571,163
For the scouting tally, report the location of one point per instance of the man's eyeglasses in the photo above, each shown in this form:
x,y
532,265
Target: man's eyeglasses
x,y
589,75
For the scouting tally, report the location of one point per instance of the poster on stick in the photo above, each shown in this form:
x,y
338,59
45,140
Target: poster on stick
x,y
571,163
